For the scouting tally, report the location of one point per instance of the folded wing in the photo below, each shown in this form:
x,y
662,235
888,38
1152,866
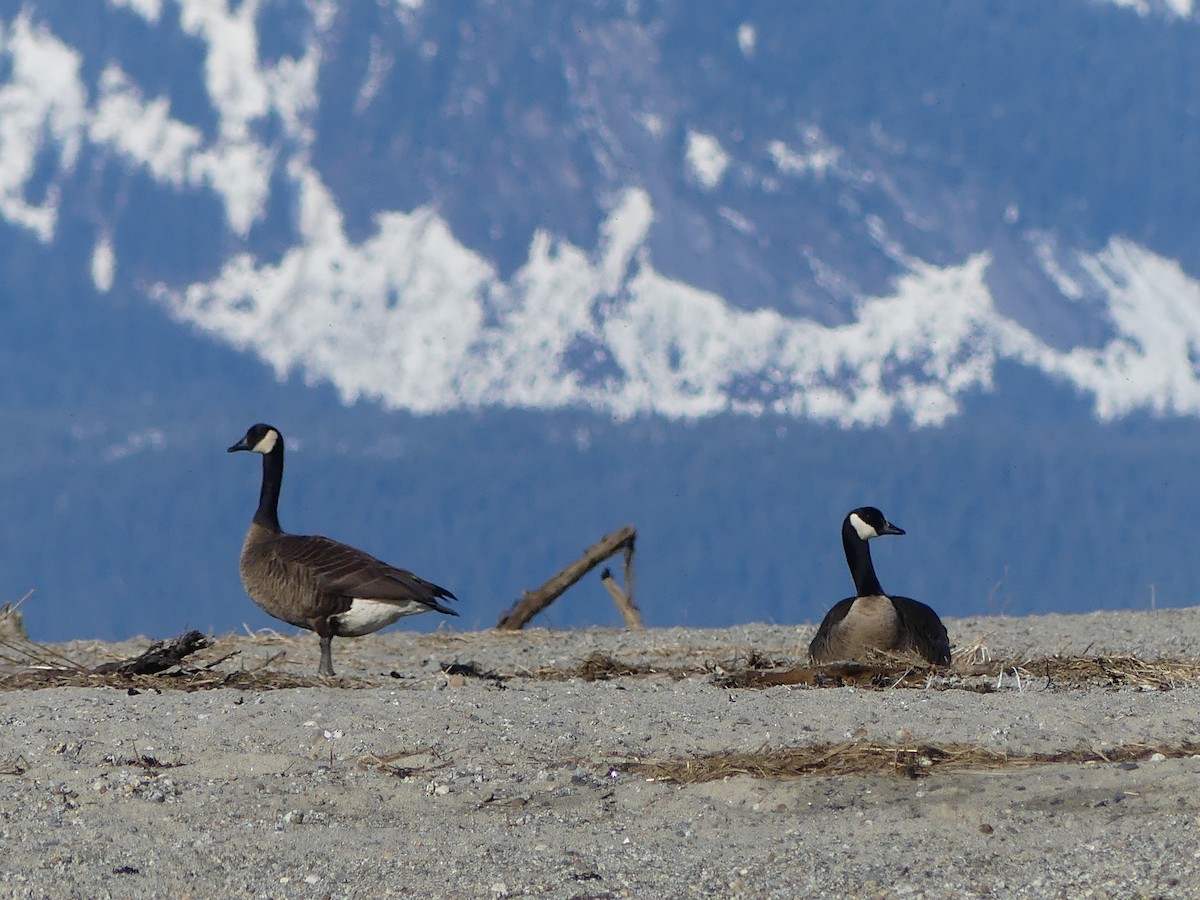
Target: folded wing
x,y
338,569
922,630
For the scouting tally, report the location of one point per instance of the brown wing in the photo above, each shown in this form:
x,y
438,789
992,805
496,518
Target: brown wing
x,y
922,630
338,569
818,649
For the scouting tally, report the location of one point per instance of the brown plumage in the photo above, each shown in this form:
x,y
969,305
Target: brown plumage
x,y
873,620
316,583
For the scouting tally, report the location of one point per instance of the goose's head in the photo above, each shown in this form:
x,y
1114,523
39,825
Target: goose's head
x,y
259,439
868,522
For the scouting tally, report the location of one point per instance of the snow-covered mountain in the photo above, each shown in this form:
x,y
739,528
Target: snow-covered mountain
x,y
620,208
549,216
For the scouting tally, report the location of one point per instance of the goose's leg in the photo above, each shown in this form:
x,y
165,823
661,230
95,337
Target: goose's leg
x,y
326,655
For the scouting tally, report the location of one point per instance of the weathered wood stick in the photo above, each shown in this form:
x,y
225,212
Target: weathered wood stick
x,y
629,612
629,573
159,657
533,602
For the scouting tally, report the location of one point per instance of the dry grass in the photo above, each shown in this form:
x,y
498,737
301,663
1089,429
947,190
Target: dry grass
x,y
973,653
1114,671
881,675
866,758
12,623
977,673
27,665
973,669
602,667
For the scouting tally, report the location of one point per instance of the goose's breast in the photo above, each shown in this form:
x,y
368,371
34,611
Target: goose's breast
x,y
275,588
871,624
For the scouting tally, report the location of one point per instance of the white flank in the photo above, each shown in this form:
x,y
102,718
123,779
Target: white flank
x,y
366,616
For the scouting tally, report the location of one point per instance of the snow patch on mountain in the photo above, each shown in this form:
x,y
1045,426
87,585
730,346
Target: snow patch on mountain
x,y
1179,9
1154,362
413,318
150,10
104,264
394,316
818,157
706,159
41,112
44,109
152,439
747,38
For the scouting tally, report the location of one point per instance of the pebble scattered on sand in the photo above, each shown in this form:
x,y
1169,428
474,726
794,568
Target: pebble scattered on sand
x,y
463,785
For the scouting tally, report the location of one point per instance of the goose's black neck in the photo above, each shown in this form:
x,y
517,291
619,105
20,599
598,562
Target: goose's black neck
x,y
858,557
267,514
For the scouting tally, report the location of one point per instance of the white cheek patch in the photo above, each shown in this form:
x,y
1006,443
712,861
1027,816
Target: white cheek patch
x,y
267,443
865,531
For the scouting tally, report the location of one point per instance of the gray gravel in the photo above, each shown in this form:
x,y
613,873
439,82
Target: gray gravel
x,y
443,786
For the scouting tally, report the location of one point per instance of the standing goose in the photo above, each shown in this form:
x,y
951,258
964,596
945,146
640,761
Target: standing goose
x,y
316,583
873,620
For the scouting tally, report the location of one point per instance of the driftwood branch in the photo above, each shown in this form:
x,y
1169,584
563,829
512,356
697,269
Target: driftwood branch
x,y
158,657
629,612
533,602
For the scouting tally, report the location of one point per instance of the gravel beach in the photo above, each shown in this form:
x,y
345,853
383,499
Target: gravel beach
x,y
487,764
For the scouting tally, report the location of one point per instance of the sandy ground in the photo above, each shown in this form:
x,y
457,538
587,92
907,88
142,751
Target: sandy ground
x,y
400,779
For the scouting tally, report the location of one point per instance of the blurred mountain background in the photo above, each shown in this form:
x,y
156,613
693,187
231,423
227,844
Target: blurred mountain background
x,y
509,276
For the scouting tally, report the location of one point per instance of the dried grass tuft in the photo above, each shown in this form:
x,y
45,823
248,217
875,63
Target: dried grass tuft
x,y
12,623
171,665
880,670
1114,671
973,669
972,654
28,665
600,667
866,758
886,671
21,653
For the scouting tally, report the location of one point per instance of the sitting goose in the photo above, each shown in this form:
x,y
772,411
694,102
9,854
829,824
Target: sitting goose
x,y
316,583
873,620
